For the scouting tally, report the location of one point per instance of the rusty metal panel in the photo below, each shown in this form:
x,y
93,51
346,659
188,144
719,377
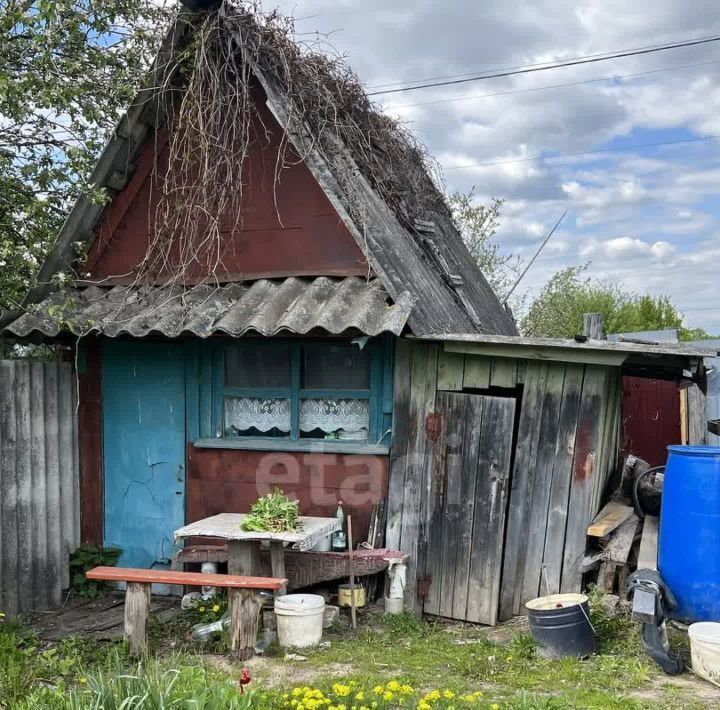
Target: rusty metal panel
x,y
651,418
39,497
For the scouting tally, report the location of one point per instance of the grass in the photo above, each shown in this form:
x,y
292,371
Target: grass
x,y
457,662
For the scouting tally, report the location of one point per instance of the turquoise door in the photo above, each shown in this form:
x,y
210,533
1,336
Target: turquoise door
x,y
143,386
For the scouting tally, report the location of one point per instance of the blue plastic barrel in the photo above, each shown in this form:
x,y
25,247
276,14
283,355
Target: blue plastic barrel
x,y
689,545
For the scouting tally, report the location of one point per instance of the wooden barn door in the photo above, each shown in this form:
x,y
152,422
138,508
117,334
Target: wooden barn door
x,y
467,503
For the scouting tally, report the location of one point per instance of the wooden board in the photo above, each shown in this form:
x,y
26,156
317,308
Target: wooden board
x,y
477,372
523,476
621,541
190,579
647,557
612,516
470,466
450,371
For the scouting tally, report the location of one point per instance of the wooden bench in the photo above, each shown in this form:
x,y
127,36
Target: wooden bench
x,y
243,601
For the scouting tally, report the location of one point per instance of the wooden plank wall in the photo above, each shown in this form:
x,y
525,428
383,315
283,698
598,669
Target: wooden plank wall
x,y
567,445
568,441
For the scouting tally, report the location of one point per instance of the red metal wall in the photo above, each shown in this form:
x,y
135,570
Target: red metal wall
x,y
229,481
287,227
651,418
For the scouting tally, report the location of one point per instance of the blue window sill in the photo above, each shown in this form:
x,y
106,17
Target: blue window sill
x,y
316,446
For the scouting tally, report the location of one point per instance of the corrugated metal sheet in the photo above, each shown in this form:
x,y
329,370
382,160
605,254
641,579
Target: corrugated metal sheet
x,y
39,495
267,307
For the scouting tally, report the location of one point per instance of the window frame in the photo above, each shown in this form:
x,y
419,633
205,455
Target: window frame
x,y
376,394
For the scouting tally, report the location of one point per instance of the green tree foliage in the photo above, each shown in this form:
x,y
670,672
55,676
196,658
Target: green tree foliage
x,y
558,310
478,225
67,69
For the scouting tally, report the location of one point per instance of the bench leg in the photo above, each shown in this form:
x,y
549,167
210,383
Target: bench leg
x,y
137,609
245,605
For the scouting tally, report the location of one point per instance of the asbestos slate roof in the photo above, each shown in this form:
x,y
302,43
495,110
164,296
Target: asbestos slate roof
x,y
266,307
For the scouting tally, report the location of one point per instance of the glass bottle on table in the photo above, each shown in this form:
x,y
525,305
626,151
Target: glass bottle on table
x,y
338,541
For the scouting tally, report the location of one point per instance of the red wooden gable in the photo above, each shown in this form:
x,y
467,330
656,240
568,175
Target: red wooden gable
x,y
288,228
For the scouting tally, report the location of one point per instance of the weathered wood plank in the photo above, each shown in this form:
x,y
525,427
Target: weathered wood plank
x,y
612,516
647,556
579,513
419,466
456,421
522,481
593,325
503,372
491,491
697,417
245,605
562,476
450,371
621,541
399,447
534,582
477,372
434,512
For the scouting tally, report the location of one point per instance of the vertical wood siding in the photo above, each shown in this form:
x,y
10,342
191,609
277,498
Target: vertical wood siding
x,y
39,498
566,445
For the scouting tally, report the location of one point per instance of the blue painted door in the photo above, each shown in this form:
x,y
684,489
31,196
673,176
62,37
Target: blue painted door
x,y
143,387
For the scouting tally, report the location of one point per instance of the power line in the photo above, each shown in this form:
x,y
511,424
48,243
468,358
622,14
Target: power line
x,y
556,65
613,77
585,152
656,45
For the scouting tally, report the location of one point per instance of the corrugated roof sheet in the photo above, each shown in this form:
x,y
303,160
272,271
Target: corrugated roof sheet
x,y
266,307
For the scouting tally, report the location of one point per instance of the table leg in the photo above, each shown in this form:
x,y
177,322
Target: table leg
x,y
243,558
277,564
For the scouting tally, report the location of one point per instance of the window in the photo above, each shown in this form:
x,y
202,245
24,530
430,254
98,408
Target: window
x,y
319,390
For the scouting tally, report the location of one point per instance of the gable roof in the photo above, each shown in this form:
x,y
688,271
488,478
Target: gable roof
x,y
381,189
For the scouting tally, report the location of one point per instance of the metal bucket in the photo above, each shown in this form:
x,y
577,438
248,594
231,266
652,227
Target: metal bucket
x,y
560,623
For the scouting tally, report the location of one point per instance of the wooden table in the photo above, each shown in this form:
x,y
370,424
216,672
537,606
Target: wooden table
x,y
244,548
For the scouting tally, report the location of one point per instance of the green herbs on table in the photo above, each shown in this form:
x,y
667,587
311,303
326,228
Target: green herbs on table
x,y
273,512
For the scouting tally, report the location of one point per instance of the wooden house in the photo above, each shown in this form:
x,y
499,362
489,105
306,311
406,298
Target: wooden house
x,y
342,344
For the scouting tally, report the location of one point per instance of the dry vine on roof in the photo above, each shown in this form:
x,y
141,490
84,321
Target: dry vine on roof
x,y
214,124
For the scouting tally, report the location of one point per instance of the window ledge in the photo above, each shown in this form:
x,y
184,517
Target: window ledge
x,y
319,446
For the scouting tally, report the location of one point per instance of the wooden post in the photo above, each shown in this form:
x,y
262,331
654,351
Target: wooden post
x,y
593,326
245,605
243,558
353,611
277,564
697,416
137,609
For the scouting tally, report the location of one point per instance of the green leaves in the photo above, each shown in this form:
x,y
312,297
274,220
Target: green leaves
x,y
67,69
273,512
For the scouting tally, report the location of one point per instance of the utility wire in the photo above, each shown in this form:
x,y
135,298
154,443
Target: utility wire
x,y
546,67
394,84
585,152
613,77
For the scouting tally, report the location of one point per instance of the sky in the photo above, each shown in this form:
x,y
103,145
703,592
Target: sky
x,y
647,218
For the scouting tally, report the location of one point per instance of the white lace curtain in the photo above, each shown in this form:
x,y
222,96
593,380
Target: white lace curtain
x,y
327,414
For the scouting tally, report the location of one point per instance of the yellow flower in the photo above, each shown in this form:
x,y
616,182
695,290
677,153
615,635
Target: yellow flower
x,y
202,608
433,695
448,694
216,607
422,705
407,689
2,614
341,690
494,706
82,680
470,699
360,695
297,691
378,690
508,658
387,695
394,686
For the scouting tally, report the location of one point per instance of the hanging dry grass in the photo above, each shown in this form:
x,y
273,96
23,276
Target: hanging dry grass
x,y
213,126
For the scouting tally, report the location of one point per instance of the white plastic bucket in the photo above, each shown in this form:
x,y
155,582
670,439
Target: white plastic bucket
x,y
705,650
299,619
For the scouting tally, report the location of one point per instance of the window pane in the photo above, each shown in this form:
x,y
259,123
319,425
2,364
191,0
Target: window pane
x,y
257,366
334,418
257,416
338,367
